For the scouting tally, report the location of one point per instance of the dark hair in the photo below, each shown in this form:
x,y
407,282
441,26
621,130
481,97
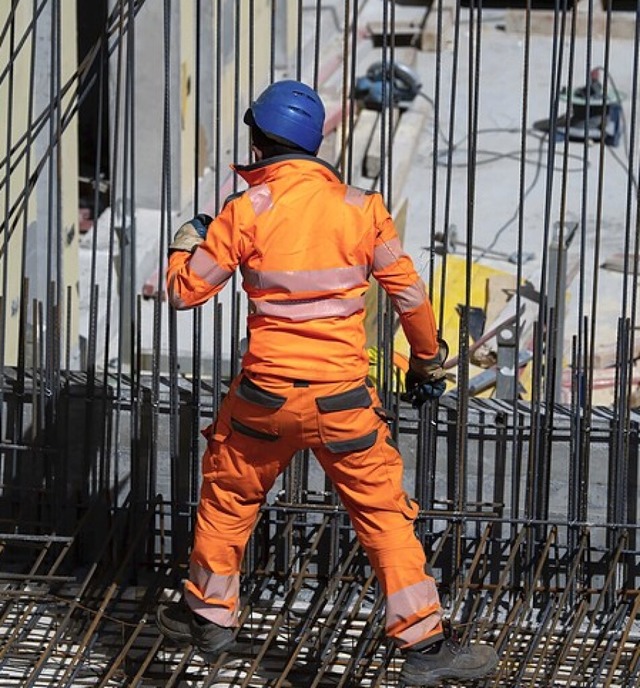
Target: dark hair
x,y
269,146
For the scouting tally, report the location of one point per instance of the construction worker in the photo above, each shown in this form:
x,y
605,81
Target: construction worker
x,y
306,244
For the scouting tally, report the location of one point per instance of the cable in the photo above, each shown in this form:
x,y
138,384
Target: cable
x,y
514,217
495,156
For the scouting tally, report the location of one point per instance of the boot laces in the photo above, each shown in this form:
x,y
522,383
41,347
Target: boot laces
x,y
449,631
452,638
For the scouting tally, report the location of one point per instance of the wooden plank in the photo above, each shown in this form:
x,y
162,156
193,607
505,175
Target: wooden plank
x,y
373,159
617,261
605,355
500,290
364,131
420,32
529,298
406,33
543,22
429,34
405,144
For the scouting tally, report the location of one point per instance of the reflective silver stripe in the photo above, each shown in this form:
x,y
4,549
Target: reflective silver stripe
x,y
219,615
174,299
207,269
354,196
211,586
419,631
409,298
308,310
291,281
409,601
387,254
260,197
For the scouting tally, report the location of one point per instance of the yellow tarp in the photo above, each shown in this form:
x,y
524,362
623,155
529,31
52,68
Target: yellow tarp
x,y
454,295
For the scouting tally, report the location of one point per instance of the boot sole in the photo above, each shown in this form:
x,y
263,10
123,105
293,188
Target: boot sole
x,y
433,678
208,650
173,634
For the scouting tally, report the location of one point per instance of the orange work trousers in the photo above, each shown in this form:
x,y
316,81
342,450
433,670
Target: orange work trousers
x,y
262,422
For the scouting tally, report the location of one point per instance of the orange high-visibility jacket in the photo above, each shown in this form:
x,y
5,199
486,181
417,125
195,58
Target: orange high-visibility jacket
x,y
306,245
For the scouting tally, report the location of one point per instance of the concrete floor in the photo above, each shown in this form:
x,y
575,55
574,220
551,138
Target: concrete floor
x,y
483,200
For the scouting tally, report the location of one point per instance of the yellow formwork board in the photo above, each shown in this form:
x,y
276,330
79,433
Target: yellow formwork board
x,y
455,293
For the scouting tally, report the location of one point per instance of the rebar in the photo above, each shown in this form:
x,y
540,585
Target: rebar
x,y
528,505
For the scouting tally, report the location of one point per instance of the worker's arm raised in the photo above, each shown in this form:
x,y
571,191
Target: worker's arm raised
x,y
191,234
202,257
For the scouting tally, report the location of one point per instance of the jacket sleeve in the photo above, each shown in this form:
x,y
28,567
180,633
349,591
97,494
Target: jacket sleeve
x,y
396,273
193,278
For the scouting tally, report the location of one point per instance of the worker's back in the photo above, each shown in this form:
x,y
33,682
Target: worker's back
x,y
306,254
306,244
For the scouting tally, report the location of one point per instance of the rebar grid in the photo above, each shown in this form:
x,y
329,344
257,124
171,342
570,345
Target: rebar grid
x,y
305,625
530,508
558,598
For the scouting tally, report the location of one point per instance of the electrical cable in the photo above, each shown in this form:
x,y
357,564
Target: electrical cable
x,y
495,156
514,217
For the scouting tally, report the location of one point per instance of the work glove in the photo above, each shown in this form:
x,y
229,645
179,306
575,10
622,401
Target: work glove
x,y
191,234
426,379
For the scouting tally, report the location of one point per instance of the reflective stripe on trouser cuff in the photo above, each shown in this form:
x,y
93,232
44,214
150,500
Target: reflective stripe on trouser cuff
x,y
213,596
414,612
424,629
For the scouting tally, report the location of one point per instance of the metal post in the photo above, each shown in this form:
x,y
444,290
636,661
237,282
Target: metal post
x,y
506,366
556,304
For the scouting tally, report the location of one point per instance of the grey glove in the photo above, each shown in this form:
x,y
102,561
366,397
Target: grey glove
x,y
191,234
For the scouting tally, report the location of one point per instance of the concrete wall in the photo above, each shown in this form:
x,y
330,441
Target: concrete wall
x,y
48,209
13,114
220,114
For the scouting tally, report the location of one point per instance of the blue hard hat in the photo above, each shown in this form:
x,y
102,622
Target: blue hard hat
x,y
289,112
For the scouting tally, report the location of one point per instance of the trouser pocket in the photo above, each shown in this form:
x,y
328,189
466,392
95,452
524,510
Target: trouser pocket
x,y
254,411
347,422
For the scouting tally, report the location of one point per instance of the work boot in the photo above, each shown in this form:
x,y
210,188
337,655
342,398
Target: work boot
x,y
179,623
447,659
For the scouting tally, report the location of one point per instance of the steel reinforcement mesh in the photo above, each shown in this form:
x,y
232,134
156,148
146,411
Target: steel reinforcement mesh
x,y
529,508
559,600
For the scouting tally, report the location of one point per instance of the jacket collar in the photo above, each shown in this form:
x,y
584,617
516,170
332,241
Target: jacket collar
x,y
272,168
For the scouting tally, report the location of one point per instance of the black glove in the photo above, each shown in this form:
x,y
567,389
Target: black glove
x,y
421,390
426,379
201,223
